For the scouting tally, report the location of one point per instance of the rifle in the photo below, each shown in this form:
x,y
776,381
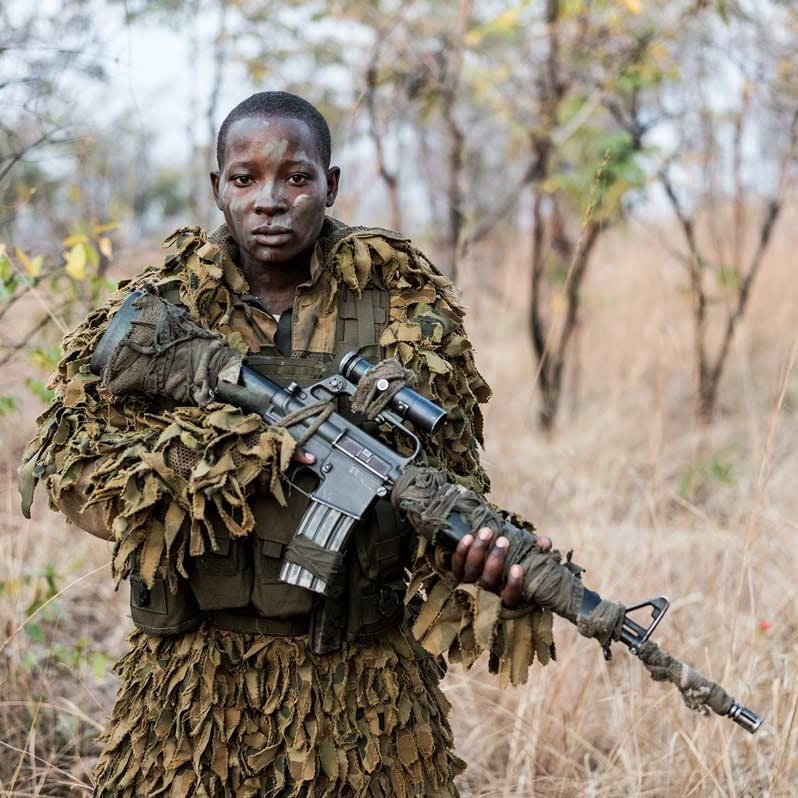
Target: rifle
x,y
354,468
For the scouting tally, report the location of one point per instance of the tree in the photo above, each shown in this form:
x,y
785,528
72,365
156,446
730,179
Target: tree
x,y
444,82
580,164
734,159
47,251
36,84
406,61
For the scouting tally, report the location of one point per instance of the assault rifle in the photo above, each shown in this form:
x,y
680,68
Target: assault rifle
x,y
354,468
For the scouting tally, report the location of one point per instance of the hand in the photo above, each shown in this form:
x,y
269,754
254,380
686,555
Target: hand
x,y
301,456
263,484
470,564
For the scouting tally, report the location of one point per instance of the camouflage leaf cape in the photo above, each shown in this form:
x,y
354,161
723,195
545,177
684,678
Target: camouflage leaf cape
x,y
215,712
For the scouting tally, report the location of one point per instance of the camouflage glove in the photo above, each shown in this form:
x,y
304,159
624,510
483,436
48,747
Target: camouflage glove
x,y
166,354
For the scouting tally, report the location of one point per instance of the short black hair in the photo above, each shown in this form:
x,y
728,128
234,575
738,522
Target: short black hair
x,y
278,103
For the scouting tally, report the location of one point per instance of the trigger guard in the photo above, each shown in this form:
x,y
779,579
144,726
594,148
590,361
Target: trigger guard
x,y
295,472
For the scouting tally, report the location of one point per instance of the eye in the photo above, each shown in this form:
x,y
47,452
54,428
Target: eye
x,y
242,180
298,179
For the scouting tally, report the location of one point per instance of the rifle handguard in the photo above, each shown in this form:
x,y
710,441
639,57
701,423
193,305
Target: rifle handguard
x,y
444,513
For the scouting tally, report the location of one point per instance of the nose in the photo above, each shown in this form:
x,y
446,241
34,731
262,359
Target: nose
x,y
271,199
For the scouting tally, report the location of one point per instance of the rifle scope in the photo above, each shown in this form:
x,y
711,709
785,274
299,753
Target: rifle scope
x,y
407,404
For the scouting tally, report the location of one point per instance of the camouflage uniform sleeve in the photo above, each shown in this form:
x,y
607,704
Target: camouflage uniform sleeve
x,y
143,472
460,620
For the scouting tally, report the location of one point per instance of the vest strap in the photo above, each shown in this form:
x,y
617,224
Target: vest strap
x,y
361,320
365,319
253,624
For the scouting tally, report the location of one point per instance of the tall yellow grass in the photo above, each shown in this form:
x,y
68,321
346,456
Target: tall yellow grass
x,y
650,502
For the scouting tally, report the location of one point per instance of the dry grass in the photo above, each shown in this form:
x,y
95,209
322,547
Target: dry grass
x,y
650,502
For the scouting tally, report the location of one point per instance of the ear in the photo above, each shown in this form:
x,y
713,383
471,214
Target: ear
x,y
333,176
215,187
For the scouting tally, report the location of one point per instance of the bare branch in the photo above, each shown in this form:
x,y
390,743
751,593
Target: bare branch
x,y
389,178
14,157
25,343
219,57
695,270
456,141
533,170
579,119
581,258
488,222
369,96
771,216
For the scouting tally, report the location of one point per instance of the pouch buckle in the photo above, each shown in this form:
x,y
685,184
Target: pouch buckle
x,y
139,592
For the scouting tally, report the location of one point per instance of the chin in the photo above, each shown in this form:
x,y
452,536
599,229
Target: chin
x,y
275,255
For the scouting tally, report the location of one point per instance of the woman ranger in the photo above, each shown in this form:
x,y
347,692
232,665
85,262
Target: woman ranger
x,y
221,694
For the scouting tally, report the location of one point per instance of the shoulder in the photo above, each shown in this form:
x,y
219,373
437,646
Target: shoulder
x,y
425,331
191,261
198,272
198,258
359,255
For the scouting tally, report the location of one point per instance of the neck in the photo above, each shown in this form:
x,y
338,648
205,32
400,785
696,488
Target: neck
x,y
275,277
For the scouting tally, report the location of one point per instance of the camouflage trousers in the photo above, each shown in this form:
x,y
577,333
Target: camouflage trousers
x,y
215,713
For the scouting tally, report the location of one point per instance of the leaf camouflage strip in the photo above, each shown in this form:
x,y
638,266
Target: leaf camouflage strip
x,y
146,474
215,713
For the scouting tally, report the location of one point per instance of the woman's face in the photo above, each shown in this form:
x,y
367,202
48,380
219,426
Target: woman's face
x,y
273,187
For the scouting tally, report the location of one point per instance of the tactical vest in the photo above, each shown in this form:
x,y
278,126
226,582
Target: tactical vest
x,y
237,586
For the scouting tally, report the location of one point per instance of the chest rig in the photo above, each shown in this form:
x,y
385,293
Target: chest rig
x,y
237,585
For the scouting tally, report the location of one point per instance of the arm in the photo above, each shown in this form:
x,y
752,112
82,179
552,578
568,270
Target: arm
x,y
143,471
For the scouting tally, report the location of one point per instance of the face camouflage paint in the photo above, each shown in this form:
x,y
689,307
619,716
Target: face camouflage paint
x,y
268,165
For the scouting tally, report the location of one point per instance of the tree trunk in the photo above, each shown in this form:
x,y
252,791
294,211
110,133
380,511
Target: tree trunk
x,y
219,63
194,150
456,142
707,396
550,392
389,178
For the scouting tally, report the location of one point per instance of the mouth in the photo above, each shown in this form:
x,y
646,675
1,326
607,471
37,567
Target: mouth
x,y
271,235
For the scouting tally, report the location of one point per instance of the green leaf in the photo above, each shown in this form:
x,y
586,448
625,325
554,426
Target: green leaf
x,y
92,256
32,266
728,277
8,287
5,264
75,260
504,25
698,477
100,664
38,388
721,470
47,358
8,404
686,481
50,577
35,632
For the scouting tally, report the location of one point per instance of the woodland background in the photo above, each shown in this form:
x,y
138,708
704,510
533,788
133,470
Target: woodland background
x,y
612,185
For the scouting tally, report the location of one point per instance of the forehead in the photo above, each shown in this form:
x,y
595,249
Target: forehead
x,y
267,136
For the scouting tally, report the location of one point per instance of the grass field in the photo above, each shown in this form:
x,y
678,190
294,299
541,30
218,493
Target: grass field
x,y
650,502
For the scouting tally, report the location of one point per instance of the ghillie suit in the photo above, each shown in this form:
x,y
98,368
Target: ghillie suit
x,y
232,702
